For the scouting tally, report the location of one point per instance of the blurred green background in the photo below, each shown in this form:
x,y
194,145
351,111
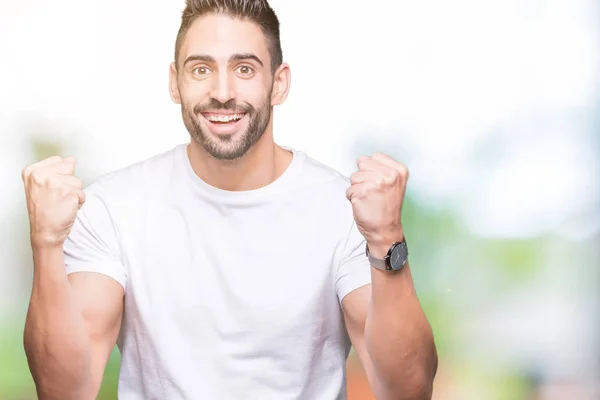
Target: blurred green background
x,y
493,105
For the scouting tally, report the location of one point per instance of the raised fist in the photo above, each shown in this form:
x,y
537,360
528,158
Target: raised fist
x,y
53,195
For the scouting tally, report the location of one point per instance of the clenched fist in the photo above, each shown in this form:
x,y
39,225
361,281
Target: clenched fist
x,y
53,195
377,194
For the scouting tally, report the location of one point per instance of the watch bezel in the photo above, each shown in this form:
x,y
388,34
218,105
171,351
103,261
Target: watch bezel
x,y
394,247
386,259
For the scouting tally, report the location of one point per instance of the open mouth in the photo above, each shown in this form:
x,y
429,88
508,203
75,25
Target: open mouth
x,y
221,119
223,123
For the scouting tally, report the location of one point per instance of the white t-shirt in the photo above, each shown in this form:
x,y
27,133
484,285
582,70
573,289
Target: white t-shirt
x,y
228,295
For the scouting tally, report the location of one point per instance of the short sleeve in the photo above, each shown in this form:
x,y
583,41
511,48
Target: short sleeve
x,y
354,270
92,244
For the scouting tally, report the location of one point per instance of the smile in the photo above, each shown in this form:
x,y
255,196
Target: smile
x,y
221,118
224,124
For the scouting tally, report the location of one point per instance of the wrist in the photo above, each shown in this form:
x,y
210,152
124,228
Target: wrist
x,y
48,265
41,242
379,248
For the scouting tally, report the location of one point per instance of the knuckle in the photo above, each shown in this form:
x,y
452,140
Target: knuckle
x,y
72,197
67,192
70,163
53,182
404,172
381,179
37,176
26,172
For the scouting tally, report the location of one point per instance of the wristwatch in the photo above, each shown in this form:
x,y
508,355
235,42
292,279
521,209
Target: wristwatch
x,y
394,260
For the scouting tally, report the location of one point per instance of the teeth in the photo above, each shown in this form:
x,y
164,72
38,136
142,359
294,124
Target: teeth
x,y
224,118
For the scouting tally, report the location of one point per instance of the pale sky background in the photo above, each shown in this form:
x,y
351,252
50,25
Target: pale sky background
x,y
489,103
431,81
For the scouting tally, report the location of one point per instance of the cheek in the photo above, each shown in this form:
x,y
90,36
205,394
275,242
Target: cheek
x,y
253,91
194,92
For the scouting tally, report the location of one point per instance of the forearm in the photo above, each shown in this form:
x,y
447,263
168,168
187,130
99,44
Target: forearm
x,y
55,339
401,349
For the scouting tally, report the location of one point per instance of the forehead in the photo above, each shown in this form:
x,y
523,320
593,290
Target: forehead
x,y
220,36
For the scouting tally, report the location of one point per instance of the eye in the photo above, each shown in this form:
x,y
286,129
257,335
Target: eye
x,y
201,71
245,70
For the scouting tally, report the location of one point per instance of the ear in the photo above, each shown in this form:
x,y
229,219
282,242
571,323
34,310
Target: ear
x,y
173,87
281,84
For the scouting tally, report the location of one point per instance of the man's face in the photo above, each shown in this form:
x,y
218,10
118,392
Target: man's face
x,y
224,84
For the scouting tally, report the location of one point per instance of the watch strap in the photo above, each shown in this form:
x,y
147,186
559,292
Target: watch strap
x,y
378,263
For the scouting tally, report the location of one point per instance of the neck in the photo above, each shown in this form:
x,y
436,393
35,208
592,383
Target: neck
x,y
260,166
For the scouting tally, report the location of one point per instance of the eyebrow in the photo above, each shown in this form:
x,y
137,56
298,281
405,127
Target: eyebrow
x,y
234,57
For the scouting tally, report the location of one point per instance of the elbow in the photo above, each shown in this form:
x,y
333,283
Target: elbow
x,y
415,385
418,387
66,379
47,388
420,383
421,389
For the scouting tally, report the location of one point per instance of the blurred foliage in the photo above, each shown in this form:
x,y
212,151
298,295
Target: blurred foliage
x,y
108,391
15,379
44,149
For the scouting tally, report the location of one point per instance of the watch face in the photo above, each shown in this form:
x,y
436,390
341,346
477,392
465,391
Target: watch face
x,y
398,256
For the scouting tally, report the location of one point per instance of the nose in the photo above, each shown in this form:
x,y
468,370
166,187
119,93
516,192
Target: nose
x,y
223,89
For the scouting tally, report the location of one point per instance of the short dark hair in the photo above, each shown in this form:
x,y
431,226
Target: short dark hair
x,y
257,11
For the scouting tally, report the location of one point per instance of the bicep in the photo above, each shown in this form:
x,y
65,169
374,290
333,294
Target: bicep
x,y
355,306
99,299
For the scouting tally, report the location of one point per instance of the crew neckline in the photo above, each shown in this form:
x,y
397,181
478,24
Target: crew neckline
x,y
284,179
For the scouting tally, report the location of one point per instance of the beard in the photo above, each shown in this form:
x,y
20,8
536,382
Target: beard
x,y
224,147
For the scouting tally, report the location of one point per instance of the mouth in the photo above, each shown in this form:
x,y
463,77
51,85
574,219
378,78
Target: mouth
x,y
223,124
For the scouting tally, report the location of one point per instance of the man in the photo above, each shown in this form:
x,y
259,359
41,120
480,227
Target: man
x,y
231,267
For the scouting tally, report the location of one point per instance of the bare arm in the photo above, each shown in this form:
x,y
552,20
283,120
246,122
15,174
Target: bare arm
x,y
71,328
72,322
385,321
392,336
100,302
